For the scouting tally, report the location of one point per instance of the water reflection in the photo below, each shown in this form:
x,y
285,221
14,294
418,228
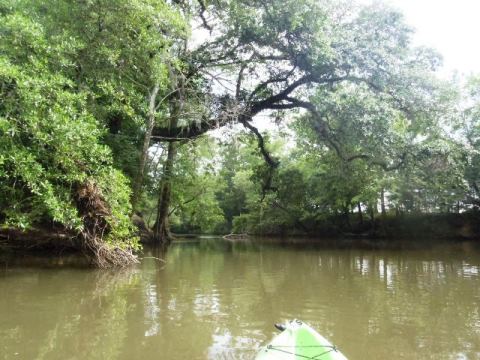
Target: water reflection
x,y
71,313
152,309
217,300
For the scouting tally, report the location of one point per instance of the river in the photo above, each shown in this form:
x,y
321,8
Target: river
x,y
216,299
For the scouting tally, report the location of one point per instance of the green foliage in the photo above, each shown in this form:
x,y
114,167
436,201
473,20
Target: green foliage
x,y
75,78
116,190
48,141
470,129
69,72
194,205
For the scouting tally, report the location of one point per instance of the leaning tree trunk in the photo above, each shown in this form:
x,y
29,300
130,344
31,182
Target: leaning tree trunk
x,y
161,228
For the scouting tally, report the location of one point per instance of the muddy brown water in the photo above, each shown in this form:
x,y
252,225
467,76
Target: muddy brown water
x,y
216,299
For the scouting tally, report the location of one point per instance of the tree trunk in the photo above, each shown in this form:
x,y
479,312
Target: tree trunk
x,y
346,215
137,186
382,202
161,228
360,215
371,211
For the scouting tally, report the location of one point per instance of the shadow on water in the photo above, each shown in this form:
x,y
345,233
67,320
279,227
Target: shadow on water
x,y
42,260
64,313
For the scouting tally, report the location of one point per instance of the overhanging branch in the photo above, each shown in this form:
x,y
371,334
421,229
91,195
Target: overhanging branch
x,y
321,127
201,13
273,163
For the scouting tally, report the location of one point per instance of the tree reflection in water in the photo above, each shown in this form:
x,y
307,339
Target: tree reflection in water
x,y
215,299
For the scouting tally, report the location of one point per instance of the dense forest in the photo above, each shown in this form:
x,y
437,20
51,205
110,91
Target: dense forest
x,y
129,119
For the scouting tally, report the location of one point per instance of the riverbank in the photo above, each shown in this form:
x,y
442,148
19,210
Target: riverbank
x,y
52,241
383,233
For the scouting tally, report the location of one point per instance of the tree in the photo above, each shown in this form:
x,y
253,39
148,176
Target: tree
x,y
68,71
470,127
53,166
271,57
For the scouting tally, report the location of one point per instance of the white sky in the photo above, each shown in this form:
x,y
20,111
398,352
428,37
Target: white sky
x,y
452,27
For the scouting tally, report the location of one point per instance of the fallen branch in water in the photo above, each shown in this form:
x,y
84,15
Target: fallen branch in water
x,y
153,257
235,236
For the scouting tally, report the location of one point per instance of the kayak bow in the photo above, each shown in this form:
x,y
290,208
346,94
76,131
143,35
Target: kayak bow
x,y
299,341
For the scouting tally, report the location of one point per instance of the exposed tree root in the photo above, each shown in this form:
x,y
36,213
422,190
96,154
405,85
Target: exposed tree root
x,y
94,211
106,256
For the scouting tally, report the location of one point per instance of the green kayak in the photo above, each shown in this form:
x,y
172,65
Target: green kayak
x,y
299,341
